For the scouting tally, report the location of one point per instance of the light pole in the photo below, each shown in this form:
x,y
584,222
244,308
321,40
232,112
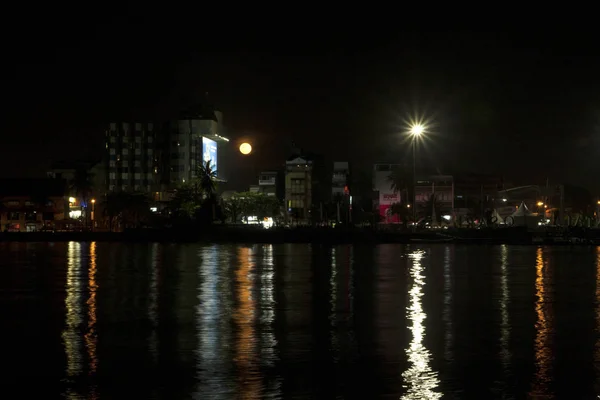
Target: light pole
x,y
93,210
415,131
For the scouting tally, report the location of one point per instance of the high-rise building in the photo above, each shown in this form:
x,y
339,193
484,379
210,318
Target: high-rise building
x,y
133,157
155,158
194,139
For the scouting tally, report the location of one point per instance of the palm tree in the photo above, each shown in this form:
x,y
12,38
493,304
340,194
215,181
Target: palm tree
x,y
399,183
207,177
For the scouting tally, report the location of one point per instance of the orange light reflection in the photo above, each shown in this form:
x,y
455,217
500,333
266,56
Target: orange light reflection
x,y
250,381
543,351
91,337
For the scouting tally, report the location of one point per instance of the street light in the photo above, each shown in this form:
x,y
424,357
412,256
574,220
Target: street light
x,y
416,131
93,209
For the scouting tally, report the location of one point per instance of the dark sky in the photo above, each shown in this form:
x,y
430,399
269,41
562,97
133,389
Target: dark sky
x,y
523,104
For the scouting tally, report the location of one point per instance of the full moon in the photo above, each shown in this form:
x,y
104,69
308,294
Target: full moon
x,y
245,148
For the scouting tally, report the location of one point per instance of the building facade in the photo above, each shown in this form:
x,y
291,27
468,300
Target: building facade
x,y
340,191
195,139
29,205
439,186
298,188
133,158
267,182
156,158
340,179
384,195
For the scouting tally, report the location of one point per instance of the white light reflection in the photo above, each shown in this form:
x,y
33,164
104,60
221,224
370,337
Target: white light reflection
x,y
333,302
505,319
543,351
421,380
153,303
597,355
267,307
74,312
209,315
447,315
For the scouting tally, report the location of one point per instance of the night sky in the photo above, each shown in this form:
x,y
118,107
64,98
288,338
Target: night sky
x,y
521,104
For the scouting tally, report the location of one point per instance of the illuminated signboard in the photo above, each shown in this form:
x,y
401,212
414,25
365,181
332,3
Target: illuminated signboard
x,y
389,198
209,152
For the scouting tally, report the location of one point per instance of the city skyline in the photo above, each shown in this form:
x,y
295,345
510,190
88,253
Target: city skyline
x,y
518,105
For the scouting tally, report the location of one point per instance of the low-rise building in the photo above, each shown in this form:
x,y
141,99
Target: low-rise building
x,y
340,191
267,182
384,193
439,186
29,205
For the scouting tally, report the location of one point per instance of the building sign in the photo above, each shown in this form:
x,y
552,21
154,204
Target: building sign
x,y
388,198
209,152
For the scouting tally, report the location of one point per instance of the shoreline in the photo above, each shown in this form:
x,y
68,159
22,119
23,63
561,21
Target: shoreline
x,y
220,234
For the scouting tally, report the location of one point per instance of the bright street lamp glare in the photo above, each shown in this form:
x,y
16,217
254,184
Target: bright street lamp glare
x,y
245,148
417,130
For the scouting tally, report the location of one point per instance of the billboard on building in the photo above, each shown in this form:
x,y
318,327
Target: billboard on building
x,y
386,199
209,152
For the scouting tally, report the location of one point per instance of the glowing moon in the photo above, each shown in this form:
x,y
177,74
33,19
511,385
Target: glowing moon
x,y
245,148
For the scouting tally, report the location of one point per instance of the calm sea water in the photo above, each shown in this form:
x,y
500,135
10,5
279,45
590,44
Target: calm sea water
x,y
100,321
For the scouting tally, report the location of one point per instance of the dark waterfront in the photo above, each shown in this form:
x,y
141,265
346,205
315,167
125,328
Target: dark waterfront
x,y
173,321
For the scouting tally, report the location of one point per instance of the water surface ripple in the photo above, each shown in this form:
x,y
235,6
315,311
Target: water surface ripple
x,y
180,321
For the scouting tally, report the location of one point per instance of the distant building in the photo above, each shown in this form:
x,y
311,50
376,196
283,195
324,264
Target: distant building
x,y
67,171
471,188
385,196
28,205
340,191
268,182
340,180
298,188
440,186
194,139
155,158
133,158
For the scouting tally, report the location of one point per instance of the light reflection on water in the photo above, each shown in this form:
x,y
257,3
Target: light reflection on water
x,y
260,326
249,378
153,301
421,381
543,340
91,337
597,344
447,316
211,311
71,335
504,301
